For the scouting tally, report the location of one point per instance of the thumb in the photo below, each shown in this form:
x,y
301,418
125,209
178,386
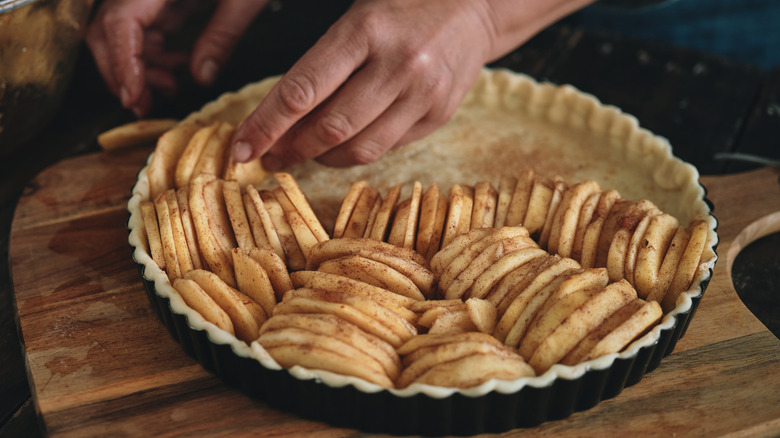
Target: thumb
x,y
220,36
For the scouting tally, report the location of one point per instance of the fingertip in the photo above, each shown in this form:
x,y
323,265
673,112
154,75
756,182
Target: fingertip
x,y
124,97
219,37
241,151
207,72
143,104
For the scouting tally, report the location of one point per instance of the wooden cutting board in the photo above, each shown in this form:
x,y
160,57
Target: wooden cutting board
x,y
102,364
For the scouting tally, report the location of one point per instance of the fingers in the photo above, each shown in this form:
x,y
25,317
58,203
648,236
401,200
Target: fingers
x,y
385,104
368,116
144,103
98,45
378,138
316,76
407,120
157,56
125,27
223,31
116,38
162,80
362,99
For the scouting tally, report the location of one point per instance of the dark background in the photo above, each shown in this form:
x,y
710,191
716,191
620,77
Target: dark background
x,y
702,102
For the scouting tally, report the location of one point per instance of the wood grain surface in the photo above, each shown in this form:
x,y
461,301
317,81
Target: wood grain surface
x,y
102,364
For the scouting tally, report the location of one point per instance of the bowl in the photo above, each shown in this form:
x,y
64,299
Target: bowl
x,y
39,45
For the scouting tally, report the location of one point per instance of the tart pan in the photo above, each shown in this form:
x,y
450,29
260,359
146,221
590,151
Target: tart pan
x,y
384,412
494,406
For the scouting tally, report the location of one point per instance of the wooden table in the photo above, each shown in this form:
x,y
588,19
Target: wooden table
x,y
101,363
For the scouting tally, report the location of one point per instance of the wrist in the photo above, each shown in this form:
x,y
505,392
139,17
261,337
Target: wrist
x,y
513,22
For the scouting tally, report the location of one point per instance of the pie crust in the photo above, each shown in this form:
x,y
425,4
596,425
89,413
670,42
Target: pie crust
x,y
508,122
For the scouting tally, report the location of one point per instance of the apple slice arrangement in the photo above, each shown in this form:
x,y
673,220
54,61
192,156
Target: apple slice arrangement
x,y
448,290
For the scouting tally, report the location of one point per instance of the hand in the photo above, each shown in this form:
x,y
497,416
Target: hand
x,y
387,73
127,39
